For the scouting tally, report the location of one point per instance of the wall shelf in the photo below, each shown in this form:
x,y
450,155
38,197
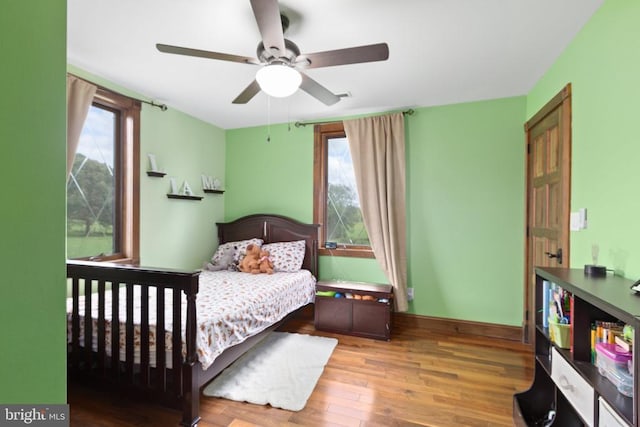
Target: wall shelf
x,y
212,191
156,174
184,197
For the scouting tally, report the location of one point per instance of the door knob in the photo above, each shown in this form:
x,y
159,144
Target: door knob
x,y
557,255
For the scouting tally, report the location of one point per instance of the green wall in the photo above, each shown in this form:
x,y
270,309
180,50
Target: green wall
x,y
176,233
466,210
179,233
603,66
270,176
33,135
465,181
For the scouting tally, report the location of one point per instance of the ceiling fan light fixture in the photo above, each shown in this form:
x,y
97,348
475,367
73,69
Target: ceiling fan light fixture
x,y
278,80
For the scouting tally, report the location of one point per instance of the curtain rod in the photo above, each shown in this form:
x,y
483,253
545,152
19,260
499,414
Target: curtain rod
x,y
408,112
162,107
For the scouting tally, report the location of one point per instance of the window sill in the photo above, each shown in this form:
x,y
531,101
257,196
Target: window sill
x,y
343,252
106,259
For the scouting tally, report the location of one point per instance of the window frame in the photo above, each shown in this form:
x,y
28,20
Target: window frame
x,y
127,180
322,133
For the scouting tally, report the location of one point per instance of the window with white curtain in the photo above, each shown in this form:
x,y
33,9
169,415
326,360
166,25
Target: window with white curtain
x,y
336,205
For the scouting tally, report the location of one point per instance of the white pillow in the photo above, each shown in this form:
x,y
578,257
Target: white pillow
x,y
286,256
238,248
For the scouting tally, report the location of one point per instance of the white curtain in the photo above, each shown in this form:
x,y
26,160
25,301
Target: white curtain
x,y
378,152
79,97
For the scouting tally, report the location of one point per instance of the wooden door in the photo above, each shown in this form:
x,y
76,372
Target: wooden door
x,y
548,138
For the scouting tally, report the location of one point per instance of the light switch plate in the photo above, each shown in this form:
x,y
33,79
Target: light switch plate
x,y
578,220
583,218
574,221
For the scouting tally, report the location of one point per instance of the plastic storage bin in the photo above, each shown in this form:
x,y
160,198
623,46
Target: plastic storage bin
x,y
560,333
615,366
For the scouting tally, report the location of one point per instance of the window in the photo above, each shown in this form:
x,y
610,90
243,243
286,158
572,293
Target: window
x,y
336,205
103,187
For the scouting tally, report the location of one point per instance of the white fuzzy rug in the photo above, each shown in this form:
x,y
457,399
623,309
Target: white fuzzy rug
x,y
281,371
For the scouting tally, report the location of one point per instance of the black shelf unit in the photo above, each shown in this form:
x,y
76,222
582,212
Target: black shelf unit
x,y
212,191
609,299
156,174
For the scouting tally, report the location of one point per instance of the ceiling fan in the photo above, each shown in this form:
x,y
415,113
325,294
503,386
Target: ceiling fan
x,y
281,61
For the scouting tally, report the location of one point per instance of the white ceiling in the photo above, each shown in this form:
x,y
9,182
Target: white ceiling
x,y
441,51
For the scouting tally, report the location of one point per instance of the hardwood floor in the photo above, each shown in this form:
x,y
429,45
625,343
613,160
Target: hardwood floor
x,y
419,378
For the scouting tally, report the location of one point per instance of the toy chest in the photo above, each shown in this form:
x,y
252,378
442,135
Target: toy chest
x,y
615,366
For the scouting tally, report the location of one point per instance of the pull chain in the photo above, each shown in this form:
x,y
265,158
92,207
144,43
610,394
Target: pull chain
x,y
289,114
268,118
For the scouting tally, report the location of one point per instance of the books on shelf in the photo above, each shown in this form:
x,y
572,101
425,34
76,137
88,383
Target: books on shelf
x,y
546,288
556,311
558,305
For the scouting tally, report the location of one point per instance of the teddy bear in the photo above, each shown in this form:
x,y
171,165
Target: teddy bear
x,y
265,263
249,263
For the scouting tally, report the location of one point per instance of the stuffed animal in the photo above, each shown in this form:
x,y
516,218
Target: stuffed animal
x,y
265,263
250,261
225,262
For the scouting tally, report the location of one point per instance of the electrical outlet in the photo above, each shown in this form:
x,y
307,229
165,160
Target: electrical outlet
x,y
410,294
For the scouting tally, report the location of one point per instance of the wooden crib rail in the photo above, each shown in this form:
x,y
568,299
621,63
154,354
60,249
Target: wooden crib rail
x,y
173,385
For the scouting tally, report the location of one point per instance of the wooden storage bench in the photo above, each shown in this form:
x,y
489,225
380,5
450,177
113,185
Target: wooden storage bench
x,y
370,318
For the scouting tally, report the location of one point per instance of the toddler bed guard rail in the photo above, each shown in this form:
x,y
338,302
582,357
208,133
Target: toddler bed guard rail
x,y
152,378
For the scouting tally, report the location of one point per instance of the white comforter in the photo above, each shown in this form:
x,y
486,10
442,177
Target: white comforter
x,y
231,307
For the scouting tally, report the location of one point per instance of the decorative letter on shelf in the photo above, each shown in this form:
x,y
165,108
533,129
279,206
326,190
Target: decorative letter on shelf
x,y
186,193
211,185
154,167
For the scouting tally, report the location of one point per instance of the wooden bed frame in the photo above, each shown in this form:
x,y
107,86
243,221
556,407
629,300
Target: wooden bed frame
x,y
179,386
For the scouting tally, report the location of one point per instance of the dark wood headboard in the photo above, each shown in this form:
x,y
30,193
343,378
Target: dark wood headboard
x,y
272,229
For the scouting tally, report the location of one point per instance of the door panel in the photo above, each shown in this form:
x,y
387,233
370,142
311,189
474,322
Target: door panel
x,y
554,221
538,147
554,148
548,194
540,207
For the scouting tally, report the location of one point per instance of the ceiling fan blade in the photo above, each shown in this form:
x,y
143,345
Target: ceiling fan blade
x,y
206,54
249,92
267,15
318,91
350,55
